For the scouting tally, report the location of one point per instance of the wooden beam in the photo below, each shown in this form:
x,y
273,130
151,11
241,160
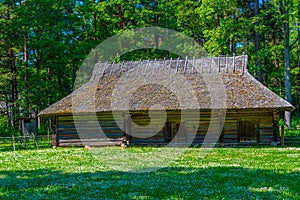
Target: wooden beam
x,y
185,64
177,65
226,63
112,68
154,67
163,67
210,64
137,67
125,133
193,67
148,61
202,65
127,128
243,63
39,122
282,136
122,65
170,63
219,64
233,62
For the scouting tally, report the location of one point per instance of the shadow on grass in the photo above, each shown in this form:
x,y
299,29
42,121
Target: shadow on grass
x,y
167,183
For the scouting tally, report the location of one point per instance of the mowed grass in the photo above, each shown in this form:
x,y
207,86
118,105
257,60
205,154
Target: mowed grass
x,y
224,173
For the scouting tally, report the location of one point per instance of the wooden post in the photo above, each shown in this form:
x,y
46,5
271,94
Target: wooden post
x,y
202,63
112,68
177,65
154,67
233,62
122,65
23,125
185,64
282,136
148,61
170,63
13,142
104,68
48,131
126,135
54,140
164,66
210,64
193,64
185,129
137,67
24,137
95,71
35,141
124,138
39,122
219,64
48,136
226,63
243,63
128,71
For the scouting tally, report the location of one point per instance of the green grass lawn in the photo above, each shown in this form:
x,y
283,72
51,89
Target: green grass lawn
x,y
225,173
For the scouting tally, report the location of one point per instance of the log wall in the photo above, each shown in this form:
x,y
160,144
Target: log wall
x,y
143,131
84,130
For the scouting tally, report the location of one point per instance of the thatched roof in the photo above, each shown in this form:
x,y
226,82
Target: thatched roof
x,y
205,83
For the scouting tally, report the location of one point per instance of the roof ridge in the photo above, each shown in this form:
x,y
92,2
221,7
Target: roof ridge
x,y
219,64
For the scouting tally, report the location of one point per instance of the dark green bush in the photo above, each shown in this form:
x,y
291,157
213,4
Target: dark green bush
x,y
5,128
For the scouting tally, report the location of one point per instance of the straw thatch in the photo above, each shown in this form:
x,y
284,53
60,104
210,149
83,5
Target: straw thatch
x,y
221,82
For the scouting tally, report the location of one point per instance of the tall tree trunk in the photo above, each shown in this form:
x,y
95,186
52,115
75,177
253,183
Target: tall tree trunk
x,y
95,39
121,24
156,22
298,75
13,71
14,88
257,43
217,21
25,58
287,73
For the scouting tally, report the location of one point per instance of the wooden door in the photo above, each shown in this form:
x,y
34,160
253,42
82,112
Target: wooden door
x,y
247,131
171,129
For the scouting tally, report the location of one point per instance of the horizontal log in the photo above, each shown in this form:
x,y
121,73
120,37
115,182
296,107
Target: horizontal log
x,y
96,144
80,139
89,132
148,141
230,136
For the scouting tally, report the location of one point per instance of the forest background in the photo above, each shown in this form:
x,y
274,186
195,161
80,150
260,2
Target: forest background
x,y
43,42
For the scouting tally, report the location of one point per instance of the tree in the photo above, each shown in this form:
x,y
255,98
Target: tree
x,y
284,8
257,42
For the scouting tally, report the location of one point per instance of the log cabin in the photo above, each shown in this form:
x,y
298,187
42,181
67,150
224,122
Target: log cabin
x,y
229,105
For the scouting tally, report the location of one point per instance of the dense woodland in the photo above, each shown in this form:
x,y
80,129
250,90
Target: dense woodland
x,y
43,42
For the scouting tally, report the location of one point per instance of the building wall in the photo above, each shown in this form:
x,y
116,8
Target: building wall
x,y
240,126
84,130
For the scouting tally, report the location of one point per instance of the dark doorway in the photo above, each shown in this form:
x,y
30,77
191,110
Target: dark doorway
x,y
171,129
247,131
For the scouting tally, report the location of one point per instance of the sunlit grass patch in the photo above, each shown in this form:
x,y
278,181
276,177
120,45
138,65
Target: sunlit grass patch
x,y
75,173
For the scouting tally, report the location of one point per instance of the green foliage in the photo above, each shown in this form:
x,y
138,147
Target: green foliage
x,y
44,42
146,54
295,128
5,128
44,129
